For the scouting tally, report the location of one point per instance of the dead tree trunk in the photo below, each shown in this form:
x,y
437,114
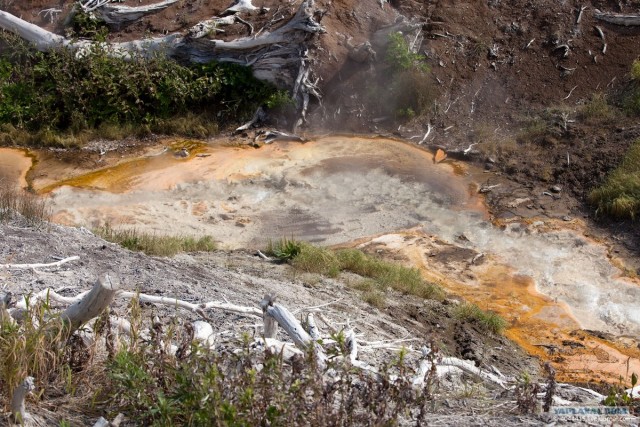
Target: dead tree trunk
x,y
291,325
93,303
18,409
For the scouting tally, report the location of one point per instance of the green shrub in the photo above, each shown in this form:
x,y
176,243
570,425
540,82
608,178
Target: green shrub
x,y
487,320
64,91
400,57
631,101
312,259
408,90
284,249
619,195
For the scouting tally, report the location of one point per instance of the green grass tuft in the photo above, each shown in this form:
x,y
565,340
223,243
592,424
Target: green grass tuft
x,y
285,249
383,274
619,195
487,320
152,244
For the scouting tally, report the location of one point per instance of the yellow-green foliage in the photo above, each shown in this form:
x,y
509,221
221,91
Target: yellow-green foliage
x,y
597,109
152,244
632,100
487,320
384,274
635,70
30,349
313,259
619,196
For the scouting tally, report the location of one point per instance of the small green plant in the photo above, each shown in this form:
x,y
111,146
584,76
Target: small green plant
x,y
619,195
635,70
400,56
631,102
526,394
285,249
487,320
618,396
153,244
597,109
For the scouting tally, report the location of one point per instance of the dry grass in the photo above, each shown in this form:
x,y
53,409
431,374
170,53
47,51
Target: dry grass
x,y
597,110
16,203
152,244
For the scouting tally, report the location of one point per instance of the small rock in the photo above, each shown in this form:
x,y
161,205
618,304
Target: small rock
x,y
556,189
566,218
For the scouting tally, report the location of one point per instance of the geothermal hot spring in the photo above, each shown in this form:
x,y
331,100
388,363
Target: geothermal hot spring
x,y
564,299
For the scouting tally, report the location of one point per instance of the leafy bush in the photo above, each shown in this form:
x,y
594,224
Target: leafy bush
x,y
62,90
635,70
619,196
487,320
201,387
400,56
597,109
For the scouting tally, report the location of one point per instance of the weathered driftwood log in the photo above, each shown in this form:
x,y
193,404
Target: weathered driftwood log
x,y
93,303
47,265
102,422
617,18
117,15
241,6
291,325
312,327
18,408
275,55
275,346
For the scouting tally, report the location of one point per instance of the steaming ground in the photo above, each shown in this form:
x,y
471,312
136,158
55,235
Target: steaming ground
x,y
328,191
337,190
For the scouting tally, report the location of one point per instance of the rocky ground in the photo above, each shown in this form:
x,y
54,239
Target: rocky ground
x,y
243,278
500,79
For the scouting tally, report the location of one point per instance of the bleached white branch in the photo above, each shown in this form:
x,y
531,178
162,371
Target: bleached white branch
x,y
48,265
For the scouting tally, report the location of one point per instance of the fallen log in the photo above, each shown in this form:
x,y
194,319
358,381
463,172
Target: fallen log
x,y
617,18
46,265
117,15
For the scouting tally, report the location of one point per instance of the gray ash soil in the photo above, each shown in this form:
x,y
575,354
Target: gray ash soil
x,y
243,278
